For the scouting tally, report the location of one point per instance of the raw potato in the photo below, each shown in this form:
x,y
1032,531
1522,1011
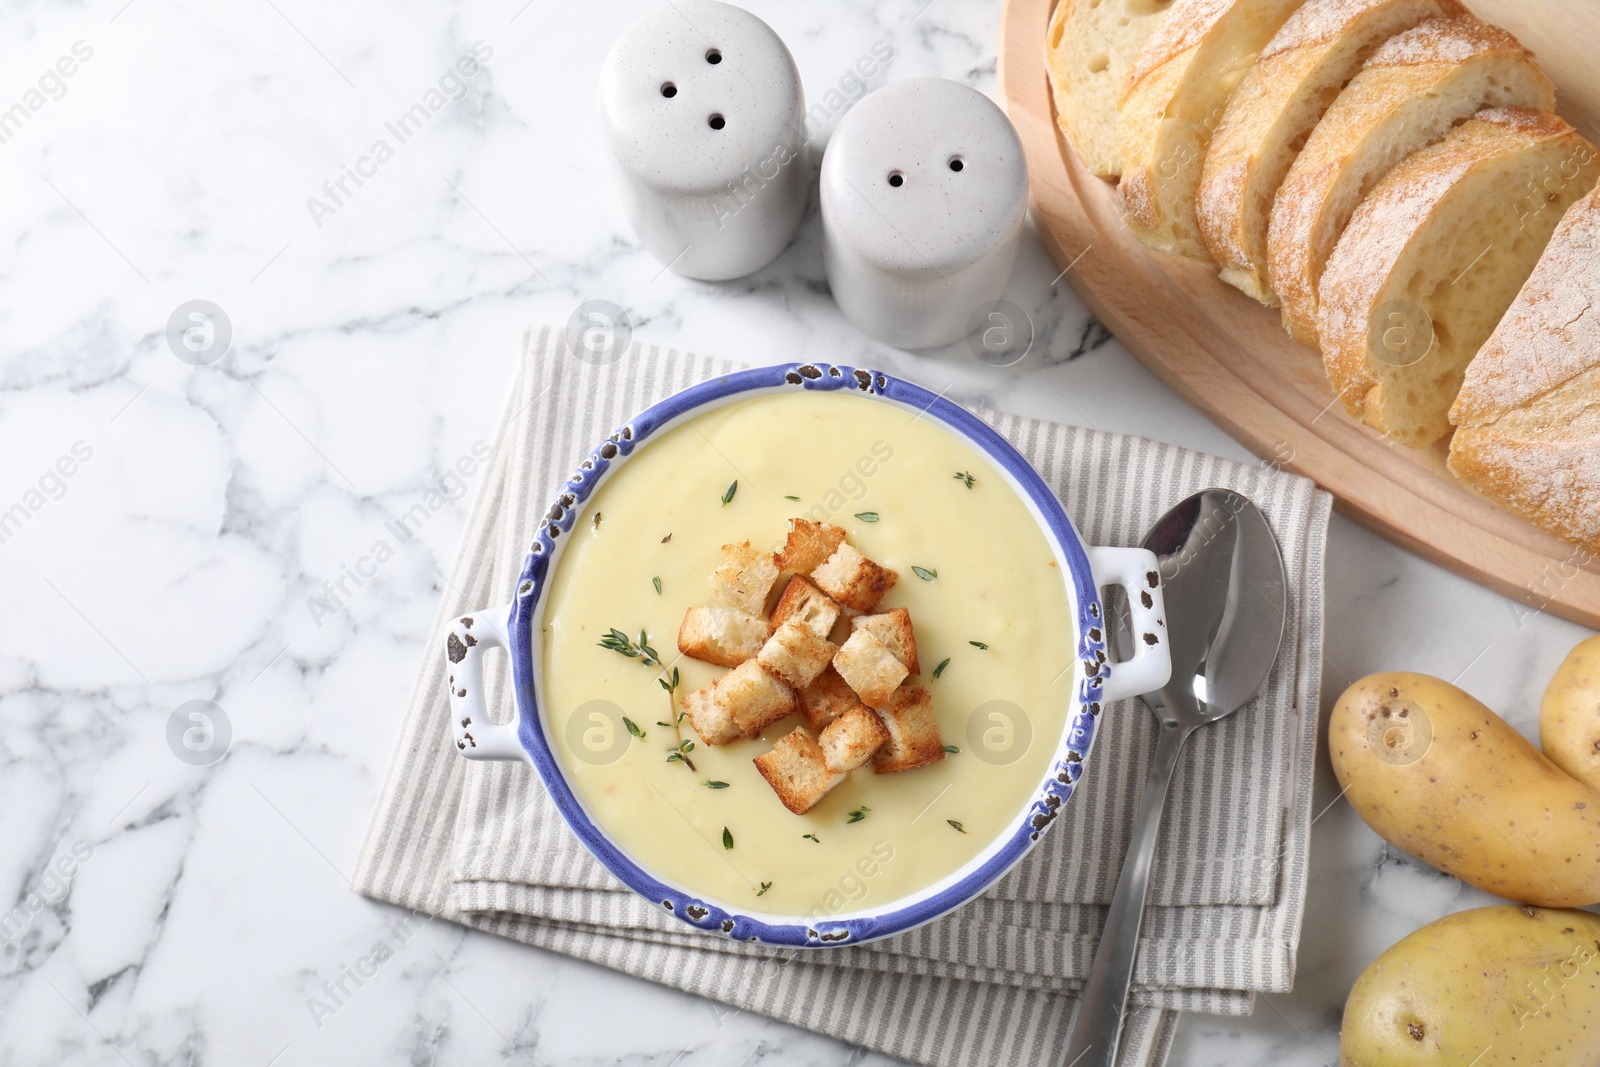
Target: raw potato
x,y
1569,719
1444,778
1492,987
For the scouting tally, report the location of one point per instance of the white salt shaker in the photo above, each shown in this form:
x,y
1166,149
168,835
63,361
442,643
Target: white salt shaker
x,y
705,119
924,193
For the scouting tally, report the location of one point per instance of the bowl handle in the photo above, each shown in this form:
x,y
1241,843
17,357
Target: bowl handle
x,y
1138,573
476,737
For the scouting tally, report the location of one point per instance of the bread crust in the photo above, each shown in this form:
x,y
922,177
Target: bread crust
x,y
1528,414
1311,58
1406,96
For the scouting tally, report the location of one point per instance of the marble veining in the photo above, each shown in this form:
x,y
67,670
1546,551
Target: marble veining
x,y
219,572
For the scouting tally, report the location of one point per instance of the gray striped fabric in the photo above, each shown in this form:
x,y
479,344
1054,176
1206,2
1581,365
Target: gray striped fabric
x,y
482,845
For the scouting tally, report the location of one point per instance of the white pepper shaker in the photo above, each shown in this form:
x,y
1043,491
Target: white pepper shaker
x,y
705,119
924,193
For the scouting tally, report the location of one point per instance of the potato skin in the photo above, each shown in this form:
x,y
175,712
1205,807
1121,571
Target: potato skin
x,y
1569,718
1439,775
1493,987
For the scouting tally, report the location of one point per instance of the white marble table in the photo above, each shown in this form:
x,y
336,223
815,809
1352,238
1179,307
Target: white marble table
x,y
372,335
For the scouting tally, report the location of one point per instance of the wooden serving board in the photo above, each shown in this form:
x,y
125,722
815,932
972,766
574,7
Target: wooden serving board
x,y
1230,357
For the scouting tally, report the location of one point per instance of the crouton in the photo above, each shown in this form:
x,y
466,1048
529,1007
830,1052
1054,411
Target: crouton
x,y
796,653
809,545
853,580
721,635
893,628
852,739
745,577
827,698
803,600
744,702
913,732
870,667
797,772
712,721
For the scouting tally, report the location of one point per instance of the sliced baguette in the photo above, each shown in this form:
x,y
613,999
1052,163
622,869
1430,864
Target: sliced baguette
x,y
1413,90
1174,97
1433,258
1301,71
1089,49
1528,414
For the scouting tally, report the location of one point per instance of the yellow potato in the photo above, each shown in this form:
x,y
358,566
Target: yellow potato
x,y
1569,719
1444,778
1492,987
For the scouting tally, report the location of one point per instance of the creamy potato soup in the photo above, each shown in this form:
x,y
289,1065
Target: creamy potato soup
x,y
992,614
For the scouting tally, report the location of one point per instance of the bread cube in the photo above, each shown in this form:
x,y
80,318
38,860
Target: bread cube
x,y
797,772
809,545
796,653
721,635
852,739
827,698
870,668
853,580
742,702
713,721
745,577
893,628
913,732
802,600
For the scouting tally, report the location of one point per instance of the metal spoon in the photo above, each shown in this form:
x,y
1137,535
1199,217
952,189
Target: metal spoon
x,y
1226,604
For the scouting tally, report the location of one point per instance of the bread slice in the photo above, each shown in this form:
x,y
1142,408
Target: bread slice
x,y
870,666
796,653
913,732
1528,415
1301,70
1174,97
797,772
851,739
744,577
827,698
1089,49
802,600
894,629
744,702
721,635
808,545
854,580
1434,257
1413,90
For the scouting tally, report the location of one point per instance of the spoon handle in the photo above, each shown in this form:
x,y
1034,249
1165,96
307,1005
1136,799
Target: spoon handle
x,y
1105,994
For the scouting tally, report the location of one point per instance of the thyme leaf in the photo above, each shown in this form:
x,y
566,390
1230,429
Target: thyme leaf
x,y
712,784
633,727
813,837
727,497
957,825
867,516
942,665
656,581
979,644
923,573
965,476
727,838
859,814
763,890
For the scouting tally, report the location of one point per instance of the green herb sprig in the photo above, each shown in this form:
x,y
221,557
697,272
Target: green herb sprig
x,y
859,814
965,476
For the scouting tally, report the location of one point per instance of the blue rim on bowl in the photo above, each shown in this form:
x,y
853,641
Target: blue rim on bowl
x,y
1086,570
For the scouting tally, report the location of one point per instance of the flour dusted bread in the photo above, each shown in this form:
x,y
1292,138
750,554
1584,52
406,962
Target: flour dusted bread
x,y
1434,257
1528,414
1302,69
1413,90
1089,49
1173,100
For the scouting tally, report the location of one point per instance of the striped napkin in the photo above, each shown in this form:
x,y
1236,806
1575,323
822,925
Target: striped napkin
x,y
481,844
